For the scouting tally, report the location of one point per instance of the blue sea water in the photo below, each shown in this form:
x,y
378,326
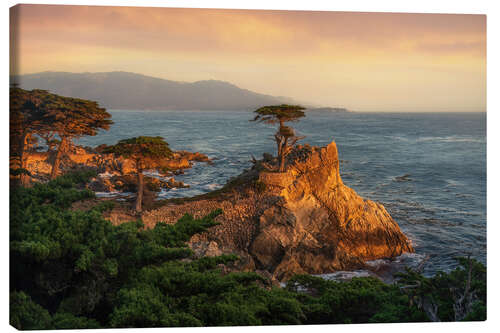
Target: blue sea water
x,y
440,206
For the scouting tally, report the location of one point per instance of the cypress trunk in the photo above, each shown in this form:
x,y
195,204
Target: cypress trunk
x,y
282,155
279,140
22,159
57,160
140,190
281,147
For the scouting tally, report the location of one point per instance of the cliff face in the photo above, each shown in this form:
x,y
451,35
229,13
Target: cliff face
x,y
304,220
321,225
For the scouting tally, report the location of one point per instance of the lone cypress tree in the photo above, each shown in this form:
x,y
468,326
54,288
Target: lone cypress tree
x,y
285,136
141,149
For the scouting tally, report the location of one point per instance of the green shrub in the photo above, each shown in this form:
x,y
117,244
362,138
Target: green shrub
x,y
26,314
444,291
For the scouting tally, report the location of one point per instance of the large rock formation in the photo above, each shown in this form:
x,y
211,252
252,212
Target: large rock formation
x,y
304,220
321,225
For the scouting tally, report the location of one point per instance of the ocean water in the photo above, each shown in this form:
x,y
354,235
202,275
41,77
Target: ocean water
x,y
440,204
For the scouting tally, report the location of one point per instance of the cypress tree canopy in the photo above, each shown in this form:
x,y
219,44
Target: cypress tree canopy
x,y
24,115
279,113
65,115
141,147
72,117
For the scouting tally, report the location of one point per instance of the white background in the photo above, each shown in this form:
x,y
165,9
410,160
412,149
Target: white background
x,y
416,6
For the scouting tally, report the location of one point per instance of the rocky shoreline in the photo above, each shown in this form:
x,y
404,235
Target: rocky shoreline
x,y
303,220
115,174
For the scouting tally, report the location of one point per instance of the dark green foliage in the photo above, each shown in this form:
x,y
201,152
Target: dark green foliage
x,y
361,300
449,296
73,269
66,321
26,314
201,293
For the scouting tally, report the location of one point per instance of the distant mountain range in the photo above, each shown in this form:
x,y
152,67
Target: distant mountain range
x,y
124,90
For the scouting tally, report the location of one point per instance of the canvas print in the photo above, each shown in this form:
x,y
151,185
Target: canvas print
x,y
215,167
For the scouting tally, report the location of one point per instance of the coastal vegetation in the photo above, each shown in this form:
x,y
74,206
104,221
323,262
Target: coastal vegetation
x,y
71,268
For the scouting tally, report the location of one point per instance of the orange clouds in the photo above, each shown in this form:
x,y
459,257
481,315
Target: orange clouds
x,y
259,49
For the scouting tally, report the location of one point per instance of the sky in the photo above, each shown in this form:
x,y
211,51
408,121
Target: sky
x,y
362,61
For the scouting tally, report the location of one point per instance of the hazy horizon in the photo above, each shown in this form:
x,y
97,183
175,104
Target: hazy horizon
x,y
366,62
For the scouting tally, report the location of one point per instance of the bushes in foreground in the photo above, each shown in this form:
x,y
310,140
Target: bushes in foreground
x,y
73,269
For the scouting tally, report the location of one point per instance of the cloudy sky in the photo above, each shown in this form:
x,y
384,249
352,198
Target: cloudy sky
x,y
362,61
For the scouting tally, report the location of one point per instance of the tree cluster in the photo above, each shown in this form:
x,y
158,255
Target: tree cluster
x,y
39,113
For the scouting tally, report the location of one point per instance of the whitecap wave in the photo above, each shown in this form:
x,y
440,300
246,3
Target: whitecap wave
x,y
113,194
346,275
105,175
213,186
383,269
451,138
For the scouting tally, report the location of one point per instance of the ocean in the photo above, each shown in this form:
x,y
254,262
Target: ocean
x,y
427,169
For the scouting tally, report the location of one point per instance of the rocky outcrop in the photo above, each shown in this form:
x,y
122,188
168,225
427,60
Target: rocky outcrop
x,y
115,173
38,164
304,220
321,225
128,183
